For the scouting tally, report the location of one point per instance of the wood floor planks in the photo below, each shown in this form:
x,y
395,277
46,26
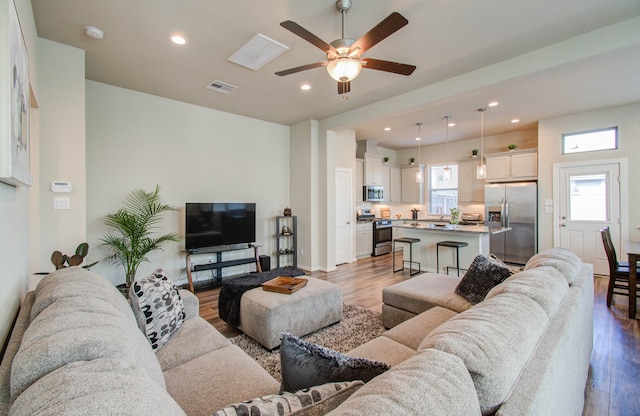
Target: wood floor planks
x,y
614,376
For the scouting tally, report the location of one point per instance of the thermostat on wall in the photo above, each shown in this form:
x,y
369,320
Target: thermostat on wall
x,y
60,186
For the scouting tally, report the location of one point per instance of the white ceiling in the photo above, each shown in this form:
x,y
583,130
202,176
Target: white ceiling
x,y
539,59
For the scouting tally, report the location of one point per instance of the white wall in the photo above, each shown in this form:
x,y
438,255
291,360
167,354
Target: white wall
x,y
627,118
61,152
195,154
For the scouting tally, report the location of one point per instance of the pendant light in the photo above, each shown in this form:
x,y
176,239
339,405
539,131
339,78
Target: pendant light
x,y
419,174
481,169
446,172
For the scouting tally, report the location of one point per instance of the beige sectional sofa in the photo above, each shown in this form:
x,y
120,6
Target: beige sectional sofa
x,y
527,346
76,349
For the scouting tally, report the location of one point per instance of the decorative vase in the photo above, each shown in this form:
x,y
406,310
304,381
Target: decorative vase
x,y
454,219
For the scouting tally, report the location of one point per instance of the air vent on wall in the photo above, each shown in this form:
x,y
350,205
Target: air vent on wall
x,y
221,87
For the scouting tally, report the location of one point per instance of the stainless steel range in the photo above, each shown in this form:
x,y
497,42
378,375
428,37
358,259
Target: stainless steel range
x,y
382,231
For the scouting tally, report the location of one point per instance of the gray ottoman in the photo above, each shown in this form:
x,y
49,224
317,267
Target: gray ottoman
x,y
264,315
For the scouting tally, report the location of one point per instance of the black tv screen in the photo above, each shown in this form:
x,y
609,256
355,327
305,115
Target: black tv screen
x,y
218,224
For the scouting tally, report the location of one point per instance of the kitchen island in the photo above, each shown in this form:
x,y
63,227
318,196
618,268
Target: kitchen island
x,y
430,233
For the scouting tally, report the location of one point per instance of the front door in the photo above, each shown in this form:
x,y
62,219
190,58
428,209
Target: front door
x,y
589,200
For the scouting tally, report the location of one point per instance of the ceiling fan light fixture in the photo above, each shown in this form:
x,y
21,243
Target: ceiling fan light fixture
x,y
344,69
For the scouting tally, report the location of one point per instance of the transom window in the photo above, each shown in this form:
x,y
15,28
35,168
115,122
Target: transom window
x,y
589,141
443,192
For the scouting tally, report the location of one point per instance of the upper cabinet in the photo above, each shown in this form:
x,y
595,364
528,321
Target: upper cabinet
x,y
470,188
512,166
412,191
392,184
372,169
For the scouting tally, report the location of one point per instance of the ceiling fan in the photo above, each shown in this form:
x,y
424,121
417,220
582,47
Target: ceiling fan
x,y
344,56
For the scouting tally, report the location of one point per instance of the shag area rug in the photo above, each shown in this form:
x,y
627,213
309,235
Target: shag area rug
x,y
358,326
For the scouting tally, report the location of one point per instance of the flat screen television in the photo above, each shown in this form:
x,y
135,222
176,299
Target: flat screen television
x,y
219,224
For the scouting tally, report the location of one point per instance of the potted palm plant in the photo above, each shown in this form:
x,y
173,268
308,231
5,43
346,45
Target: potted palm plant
x,y
132,237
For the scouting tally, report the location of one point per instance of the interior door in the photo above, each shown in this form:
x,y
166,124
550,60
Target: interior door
x,y
589,200
344,212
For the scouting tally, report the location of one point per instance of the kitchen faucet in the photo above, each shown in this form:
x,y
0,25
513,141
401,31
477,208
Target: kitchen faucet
x,y
440,211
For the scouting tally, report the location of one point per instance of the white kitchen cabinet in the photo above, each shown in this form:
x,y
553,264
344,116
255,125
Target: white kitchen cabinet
x,y
470,188
372,169
359,180
395,187
364,239
392,184
512,166
412,191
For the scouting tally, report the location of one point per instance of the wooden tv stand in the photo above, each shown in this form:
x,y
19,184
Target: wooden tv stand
x,y
219,264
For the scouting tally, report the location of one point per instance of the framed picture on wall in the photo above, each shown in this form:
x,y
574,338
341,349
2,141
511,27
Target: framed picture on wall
x,y
14,165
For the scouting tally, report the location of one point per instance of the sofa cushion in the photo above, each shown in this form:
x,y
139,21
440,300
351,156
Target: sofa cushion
x,y
567,262
482,275
102,386
495,340
158,307
79,329
429,383
74,282
298,403
194,338
545,285
411,333
384,350
213,380
304,364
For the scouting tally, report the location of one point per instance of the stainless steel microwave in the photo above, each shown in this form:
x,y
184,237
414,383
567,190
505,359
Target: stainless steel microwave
x,y
373,193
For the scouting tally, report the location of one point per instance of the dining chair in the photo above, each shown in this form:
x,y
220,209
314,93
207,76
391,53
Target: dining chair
x,y
618,271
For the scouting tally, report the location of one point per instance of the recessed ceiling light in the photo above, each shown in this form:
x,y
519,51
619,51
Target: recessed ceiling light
x,y
493,104
451,124
94,32
387,129
178,39
418,138
515,120
305,87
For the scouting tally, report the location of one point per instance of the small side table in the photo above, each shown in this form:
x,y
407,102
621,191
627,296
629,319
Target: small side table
x,y
633,252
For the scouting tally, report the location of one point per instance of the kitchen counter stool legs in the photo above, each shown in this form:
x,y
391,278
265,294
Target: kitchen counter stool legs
x,y
453,244
409,241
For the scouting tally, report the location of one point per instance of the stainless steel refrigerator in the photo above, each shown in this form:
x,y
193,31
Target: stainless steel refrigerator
x,y
513,205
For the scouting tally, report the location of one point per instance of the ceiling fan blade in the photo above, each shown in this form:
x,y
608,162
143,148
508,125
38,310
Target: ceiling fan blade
x,y
394,22
301,68
388,66
344,87
295,28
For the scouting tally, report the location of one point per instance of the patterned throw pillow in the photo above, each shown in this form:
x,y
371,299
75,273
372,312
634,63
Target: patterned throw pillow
x,y
305,364
288,403
480,278
158,307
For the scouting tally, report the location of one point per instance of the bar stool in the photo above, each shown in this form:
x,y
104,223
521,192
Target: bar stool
x,y
409,241
452,244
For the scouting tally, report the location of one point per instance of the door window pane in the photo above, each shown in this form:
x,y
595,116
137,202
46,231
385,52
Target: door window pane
x,y
588,197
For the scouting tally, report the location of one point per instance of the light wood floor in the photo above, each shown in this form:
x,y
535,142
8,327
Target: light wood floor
x,y
614,377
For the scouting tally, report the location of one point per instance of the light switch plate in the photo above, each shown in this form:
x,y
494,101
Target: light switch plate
x,y
548,210
61,203
548,202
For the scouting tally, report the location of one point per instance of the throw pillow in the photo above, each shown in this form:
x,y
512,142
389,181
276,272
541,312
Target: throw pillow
x,y
158,307
304,364
291,403
480,278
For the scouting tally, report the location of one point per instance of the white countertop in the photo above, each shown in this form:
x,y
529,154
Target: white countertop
x,y
455,228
